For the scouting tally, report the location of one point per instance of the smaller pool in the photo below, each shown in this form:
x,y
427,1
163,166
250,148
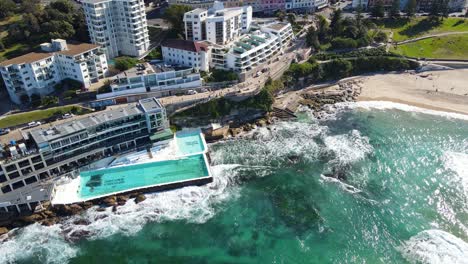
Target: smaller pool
x,y
190,142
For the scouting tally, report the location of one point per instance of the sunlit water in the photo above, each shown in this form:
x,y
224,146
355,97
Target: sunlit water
x,y
366,185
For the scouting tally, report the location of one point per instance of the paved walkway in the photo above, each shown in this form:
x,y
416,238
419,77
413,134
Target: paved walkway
x,y
431,36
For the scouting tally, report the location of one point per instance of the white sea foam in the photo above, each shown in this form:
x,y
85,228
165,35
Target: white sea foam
x,y
435,246
348,148
46,243
54,244
344,186
383,105
457,162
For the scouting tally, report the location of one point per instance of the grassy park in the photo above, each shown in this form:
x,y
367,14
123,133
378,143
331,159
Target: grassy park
x,y
404,29
26,117
446,47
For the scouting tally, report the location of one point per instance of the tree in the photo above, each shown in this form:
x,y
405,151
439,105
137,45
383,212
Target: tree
x,y
291,18
64,6
322,28
380,36
125,63
395,9
378,9
343,43
280,14
30,6
312,38
49,100
337,69
410,8
174,14
58,29
7,7
336,25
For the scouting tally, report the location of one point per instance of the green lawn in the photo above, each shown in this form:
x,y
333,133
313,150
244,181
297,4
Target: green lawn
x,y
26,117
404,29
446,47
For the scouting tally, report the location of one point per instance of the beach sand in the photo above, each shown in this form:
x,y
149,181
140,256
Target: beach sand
x,y
438,90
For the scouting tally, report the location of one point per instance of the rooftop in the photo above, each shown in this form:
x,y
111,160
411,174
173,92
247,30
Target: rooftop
x,y
149,104
188,45
197,11
147,68
73,50
277,26
46,134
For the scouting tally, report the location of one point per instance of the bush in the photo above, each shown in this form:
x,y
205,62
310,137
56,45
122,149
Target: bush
x,y
221,76
155,54
125,63
49,100
380,36
343,43
304,69
69,93
336,69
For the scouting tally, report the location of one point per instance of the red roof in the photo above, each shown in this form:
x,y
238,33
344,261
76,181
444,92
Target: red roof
x,y
187,45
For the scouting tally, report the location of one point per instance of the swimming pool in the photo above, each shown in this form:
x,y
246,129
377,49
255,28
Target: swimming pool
x,y
190,142
113,180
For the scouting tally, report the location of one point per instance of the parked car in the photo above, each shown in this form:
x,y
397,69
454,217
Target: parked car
x,y
67,115
4,131
191,92
34,124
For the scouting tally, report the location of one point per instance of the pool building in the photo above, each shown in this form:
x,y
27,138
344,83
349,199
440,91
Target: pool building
x,y
31,166
172,163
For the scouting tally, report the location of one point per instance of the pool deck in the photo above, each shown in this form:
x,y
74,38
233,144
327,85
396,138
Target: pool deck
x,y
68,191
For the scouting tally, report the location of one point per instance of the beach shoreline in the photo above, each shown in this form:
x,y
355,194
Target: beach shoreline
x,y
445,90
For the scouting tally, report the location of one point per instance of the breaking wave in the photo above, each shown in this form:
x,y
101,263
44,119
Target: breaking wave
x,y
385,105
435,246
55,244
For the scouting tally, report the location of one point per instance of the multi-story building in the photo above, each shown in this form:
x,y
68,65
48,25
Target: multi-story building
x,y
305,5
153,78
423,5
119,26
257,48
244,54
218,25
38,72
195,54
207,3
28,166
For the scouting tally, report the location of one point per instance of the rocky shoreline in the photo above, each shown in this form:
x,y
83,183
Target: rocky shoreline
x,y
342,92
52,214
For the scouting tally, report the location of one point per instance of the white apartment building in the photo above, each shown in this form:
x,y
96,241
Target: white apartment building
x,y
119,26
244,54
257,48
305,5
38,72
218,25
195,54
153,78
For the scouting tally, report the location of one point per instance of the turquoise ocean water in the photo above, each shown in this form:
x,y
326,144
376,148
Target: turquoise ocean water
x,y
365,185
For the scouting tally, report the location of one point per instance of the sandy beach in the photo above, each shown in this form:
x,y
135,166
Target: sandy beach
x,y
438,90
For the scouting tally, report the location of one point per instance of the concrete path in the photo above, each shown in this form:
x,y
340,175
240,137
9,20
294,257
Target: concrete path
x,y
431,36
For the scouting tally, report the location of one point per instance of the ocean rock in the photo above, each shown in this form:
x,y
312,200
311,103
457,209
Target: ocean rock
x,y
261,122
50,221
87,205
114,208
110,201
3,230
140,198
75,209
122,198
101,209
133,195
81,221
32,218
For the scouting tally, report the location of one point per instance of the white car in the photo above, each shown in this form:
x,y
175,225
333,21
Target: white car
x,y
191,92
34,124
67,115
